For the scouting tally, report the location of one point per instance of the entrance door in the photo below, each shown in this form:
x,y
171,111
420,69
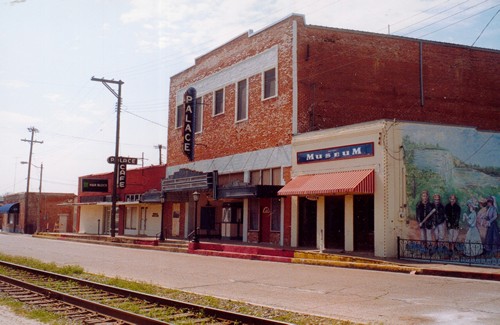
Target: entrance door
x,y
364,223
176,214
63,223
307,222
143,220
334,222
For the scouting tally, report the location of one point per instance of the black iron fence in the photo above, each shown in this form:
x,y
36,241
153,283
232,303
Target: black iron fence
x,y
468,253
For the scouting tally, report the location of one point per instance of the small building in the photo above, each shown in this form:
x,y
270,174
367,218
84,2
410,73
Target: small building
x,y
139,203
44,213
355,188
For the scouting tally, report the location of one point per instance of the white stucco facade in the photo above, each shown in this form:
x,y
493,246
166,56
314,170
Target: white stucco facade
x,y
389,182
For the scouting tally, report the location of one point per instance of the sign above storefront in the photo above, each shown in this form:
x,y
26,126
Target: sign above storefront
x,y
94,185
336,153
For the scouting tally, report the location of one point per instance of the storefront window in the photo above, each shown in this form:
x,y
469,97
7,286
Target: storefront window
x,y
275,214
253,207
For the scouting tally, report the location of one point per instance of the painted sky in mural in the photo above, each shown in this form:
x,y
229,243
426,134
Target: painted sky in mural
x,y
467,144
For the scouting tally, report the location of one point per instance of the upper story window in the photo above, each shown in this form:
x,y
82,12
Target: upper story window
x,y
242,100
266,176
198,115
178,115
269,88
219,101
132,197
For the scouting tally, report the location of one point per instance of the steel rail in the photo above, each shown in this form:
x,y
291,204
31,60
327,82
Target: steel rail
x,y
129,318
162,301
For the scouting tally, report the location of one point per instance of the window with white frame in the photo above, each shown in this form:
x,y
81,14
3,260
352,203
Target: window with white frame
x,y
219,102
269,87
178,115
198,115
242,100
133,197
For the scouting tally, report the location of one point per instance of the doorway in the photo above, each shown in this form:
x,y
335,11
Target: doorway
x,y
265,220
364,238
63,223
334,222
307,222
143,221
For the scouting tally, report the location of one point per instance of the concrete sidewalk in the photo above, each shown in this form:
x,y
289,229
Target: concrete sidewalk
x,y
276,254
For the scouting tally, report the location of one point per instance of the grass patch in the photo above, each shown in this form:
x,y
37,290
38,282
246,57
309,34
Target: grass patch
x,y
209,301
70,270
30,312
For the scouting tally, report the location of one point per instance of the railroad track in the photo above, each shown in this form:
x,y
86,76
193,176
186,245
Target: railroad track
x,y
89,302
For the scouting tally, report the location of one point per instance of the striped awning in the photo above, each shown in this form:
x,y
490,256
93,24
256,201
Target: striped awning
x,y
348,182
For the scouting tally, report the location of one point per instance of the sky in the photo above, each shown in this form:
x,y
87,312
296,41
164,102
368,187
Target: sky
x,y
50,50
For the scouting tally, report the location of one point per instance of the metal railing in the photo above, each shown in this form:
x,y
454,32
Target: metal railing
x,y
467,253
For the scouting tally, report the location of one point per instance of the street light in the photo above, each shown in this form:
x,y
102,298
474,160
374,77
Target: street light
x,y
162,200
39,191
196,198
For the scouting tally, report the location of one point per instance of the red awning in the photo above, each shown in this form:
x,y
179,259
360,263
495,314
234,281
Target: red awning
x,y
349,182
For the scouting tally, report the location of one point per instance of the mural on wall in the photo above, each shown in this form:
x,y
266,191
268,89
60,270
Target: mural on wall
x,y
453,186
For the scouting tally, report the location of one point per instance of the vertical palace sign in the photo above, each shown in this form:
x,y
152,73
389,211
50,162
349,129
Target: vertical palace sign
x,y
189,123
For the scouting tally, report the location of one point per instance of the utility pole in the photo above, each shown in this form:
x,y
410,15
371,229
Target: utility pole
x,y
159,147
38,220
118,95
33,130
142,159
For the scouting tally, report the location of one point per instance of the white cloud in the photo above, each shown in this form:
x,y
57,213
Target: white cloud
x,y
53,97
14,84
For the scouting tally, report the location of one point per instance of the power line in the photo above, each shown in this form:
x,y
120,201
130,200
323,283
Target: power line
x,y
496,13
145,119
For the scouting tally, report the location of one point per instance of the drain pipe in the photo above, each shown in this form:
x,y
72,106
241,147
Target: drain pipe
x,y
421,75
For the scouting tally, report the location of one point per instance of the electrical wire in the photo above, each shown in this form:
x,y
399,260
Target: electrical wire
x,y
480,34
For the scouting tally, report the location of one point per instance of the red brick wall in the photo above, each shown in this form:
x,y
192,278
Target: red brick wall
x,y
344,77
139,180
349,77
269,121
46,205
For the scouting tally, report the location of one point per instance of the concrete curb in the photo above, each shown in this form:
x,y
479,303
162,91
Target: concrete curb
x,y
360,265
301,257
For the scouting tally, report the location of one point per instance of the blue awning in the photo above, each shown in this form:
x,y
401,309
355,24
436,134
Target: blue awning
x,y
10,208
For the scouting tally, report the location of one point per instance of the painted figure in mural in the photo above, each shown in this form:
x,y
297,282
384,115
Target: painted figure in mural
x,y
473,245
492,240
482,224
440,218
453,212
425,218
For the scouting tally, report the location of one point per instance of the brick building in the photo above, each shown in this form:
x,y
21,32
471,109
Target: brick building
x,y
259,91
139,204
45,213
